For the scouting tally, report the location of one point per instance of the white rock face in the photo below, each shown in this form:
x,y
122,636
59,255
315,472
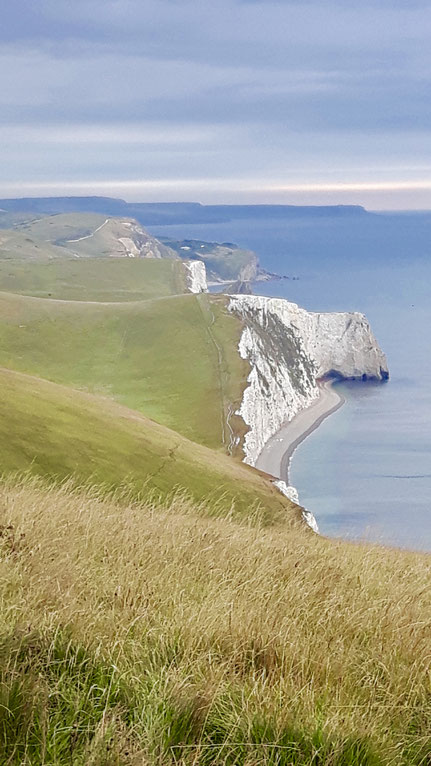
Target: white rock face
x,y
129,246
287,490
292,494
289,349
196,276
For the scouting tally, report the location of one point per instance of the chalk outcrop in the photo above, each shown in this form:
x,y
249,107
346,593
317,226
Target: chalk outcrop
x,y
196,276
292,494
289,350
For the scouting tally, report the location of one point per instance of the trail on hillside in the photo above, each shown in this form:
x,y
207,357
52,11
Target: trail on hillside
x,y
226,408
88,236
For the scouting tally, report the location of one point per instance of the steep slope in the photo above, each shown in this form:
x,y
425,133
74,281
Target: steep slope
x,y
289,350
55,432
174,359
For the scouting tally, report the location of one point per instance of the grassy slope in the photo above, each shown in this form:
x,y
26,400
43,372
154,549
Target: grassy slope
x,y
63,226
89,234
101,279
173,359
10,219
53,431
17,247
137,635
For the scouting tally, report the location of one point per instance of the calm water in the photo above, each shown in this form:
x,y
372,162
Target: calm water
x,y
366,472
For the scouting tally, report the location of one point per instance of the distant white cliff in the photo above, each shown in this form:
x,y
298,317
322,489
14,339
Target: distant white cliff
x,y
289,349
196,276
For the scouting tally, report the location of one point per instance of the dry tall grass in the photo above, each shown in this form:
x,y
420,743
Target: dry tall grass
x,y
144,634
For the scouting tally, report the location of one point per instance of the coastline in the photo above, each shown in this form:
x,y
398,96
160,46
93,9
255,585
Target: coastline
x,y
278,450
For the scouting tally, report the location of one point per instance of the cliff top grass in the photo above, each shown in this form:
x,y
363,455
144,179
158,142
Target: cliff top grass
x,y
91,279
140,633
173,359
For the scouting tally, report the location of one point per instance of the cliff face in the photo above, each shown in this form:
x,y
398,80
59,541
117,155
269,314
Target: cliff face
x,y
136,241
289,349
196,276
249,271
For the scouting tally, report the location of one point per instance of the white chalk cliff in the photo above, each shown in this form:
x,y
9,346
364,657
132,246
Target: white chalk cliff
x,y
196,276
292,494
289,349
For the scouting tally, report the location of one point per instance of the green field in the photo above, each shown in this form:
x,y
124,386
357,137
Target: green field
x,y
174,359
91,279
18,247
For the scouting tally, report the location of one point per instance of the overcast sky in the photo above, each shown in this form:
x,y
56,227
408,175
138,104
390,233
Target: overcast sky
x,y
218,101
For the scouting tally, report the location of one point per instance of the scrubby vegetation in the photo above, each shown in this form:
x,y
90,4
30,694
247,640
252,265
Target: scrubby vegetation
x,y
142,633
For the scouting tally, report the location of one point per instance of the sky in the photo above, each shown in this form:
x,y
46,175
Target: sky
x,y
221,101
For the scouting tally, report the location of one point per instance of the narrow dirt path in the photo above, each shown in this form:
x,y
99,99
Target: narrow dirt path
x,y
225,408
88,236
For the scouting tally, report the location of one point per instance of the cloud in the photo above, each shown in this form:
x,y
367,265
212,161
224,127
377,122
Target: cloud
x,y
184,89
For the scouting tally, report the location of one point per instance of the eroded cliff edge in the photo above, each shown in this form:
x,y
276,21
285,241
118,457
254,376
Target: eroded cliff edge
x,y
289,350
196,276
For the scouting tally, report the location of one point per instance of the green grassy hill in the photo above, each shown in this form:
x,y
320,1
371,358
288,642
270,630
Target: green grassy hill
x,y
55,432
174,359
94,235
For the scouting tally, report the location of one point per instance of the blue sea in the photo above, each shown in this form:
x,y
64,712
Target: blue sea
x,y
366,471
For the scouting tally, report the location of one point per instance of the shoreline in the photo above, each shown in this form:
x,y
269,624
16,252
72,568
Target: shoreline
x,y
277,452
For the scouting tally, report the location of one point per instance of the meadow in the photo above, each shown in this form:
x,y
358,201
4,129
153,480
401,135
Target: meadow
x,y
173,359
91,279
139,632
